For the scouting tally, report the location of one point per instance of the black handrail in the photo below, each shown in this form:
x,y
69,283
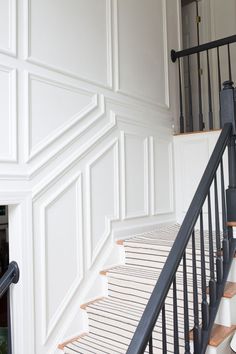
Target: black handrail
x,y
158,296
11,276
209,250
201,48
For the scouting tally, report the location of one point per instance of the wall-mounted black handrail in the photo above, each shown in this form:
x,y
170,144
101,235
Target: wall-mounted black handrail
x,y
158,296
11,276
202,48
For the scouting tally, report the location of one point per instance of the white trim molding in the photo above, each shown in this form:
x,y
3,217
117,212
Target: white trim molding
x,y
145,212
111,146
31,59
12,39
12,109
50,323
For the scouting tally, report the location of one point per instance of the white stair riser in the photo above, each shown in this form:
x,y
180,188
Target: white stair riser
x,y
226,315
223,348
232,273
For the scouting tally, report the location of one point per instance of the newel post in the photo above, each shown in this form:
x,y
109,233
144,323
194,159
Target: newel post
x,y
228,115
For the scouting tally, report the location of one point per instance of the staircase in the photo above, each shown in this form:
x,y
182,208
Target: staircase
x,y
113,320
176,292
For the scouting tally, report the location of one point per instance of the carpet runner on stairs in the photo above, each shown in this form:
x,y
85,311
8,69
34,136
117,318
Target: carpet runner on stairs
x,y
113,320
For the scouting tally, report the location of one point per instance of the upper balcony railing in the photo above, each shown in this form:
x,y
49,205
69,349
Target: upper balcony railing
x,y
202,70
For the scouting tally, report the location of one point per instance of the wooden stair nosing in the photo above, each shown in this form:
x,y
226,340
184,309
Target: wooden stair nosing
x,y
231,223
219,333
105,271
64,344
84,306
230,290
197,132
120,242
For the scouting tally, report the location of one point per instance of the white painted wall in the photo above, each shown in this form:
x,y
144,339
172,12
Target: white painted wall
x,y
191,155
87,105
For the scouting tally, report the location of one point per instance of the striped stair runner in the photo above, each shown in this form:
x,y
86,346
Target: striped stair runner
x,y
113,320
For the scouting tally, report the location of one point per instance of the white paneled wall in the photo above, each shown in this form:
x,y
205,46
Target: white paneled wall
x,y
135,175
85,147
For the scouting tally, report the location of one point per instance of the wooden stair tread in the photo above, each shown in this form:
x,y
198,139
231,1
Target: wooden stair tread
x,y
219,333
64,344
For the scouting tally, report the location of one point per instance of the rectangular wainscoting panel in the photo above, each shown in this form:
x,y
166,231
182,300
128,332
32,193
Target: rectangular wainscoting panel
x,y
71,38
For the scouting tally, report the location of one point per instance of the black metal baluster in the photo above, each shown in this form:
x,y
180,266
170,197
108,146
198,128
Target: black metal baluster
x,y
224,219
218,68
212,282
205,306
190,100
150,345
181,117
229,63
196,329
175,312
164,341
231,191
209,93
219,83
186,311
219,263
201,123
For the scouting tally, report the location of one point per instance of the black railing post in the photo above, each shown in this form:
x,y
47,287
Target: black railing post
x,y
228,115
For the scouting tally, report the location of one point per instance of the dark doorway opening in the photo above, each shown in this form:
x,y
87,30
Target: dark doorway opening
x,y
4,262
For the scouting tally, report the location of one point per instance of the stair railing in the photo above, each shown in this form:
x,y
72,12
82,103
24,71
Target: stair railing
x,y
191,284
196,98
11,276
